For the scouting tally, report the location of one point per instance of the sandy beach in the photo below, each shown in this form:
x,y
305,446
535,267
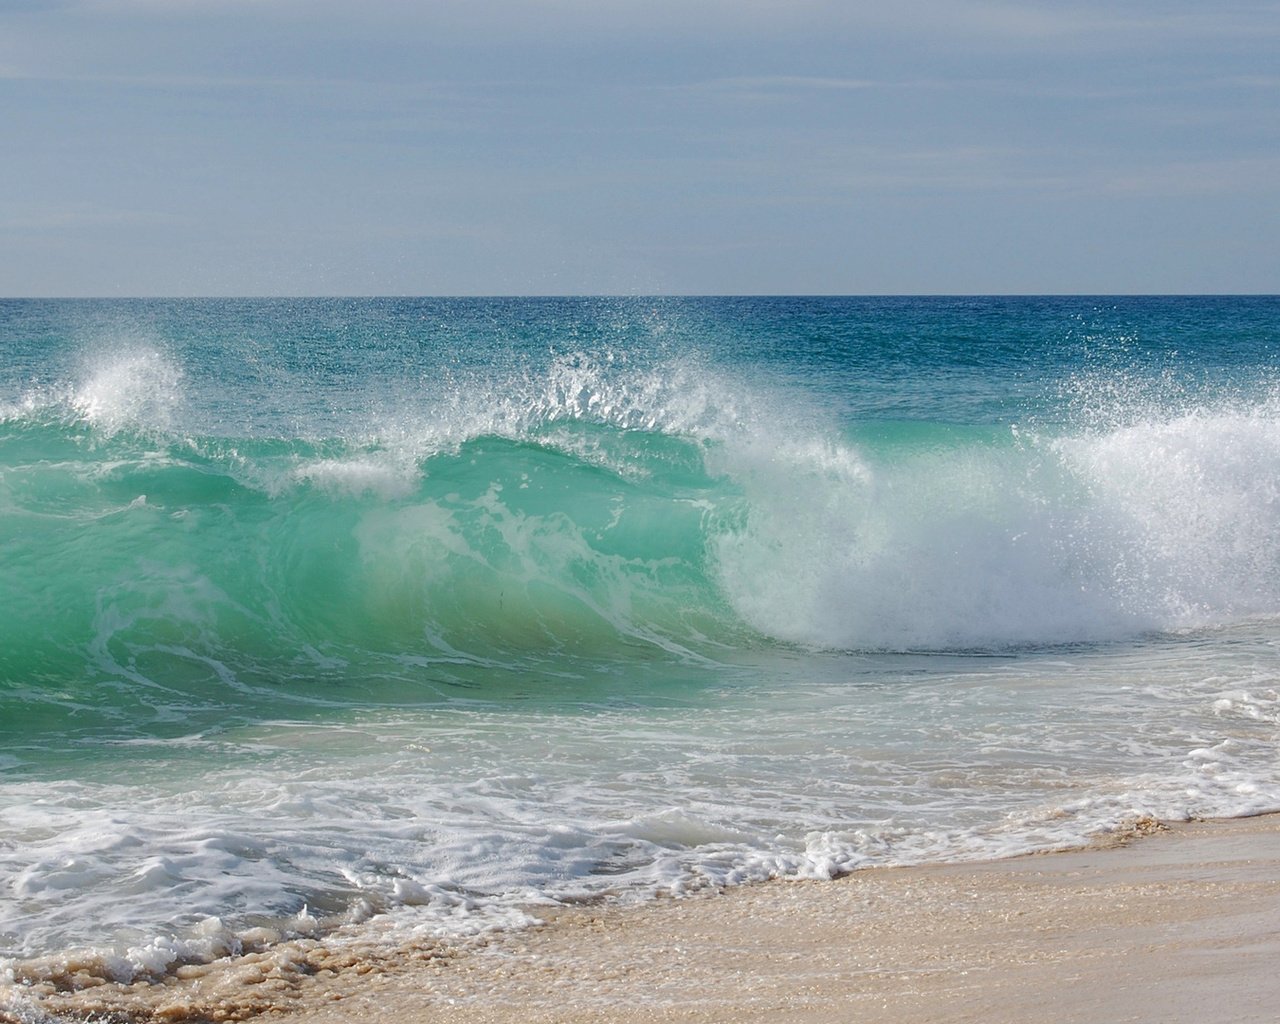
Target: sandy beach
x,y
1182,924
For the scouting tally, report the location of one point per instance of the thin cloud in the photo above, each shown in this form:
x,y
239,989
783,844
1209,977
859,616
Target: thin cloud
x,y
762,83
1251,82
14,6
1196,178
80,215
161,81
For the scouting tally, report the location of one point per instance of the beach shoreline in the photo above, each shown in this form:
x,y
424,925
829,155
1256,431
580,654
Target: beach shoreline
x,y
1180,925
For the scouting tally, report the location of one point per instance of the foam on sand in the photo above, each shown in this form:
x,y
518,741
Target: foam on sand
x,y
1179,927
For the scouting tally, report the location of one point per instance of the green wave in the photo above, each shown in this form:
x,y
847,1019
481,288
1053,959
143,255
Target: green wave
x,y
146,576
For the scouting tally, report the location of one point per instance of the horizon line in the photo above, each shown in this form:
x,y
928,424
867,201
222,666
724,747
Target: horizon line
x,y
636,296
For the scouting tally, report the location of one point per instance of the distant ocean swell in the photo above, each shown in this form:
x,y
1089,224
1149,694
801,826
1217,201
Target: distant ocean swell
x,y
598,523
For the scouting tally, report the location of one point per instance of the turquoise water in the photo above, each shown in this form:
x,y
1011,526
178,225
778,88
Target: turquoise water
x,y
411,612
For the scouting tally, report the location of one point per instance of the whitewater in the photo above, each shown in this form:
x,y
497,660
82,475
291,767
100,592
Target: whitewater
x,y
410,616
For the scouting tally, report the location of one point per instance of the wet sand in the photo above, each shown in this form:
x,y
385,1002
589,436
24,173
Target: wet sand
x,y
1180,926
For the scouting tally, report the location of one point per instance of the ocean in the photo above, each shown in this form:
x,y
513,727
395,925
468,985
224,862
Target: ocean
x,y
412,616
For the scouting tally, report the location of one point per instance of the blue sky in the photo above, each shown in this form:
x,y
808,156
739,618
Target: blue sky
x,y
301,147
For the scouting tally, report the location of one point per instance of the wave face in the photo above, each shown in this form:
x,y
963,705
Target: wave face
x,y
282,561
378,603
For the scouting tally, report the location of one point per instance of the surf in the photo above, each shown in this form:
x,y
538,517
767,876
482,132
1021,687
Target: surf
x,y
400,614
600,527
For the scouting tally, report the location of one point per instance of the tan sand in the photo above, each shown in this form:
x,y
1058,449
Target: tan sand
x,y
1183,926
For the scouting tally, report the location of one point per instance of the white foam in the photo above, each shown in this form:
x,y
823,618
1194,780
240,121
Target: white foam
x,y
1192,508
138,388
387,477
1156,525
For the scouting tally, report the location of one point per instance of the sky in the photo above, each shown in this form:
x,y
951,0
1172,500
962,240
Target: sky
x,y
525,147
